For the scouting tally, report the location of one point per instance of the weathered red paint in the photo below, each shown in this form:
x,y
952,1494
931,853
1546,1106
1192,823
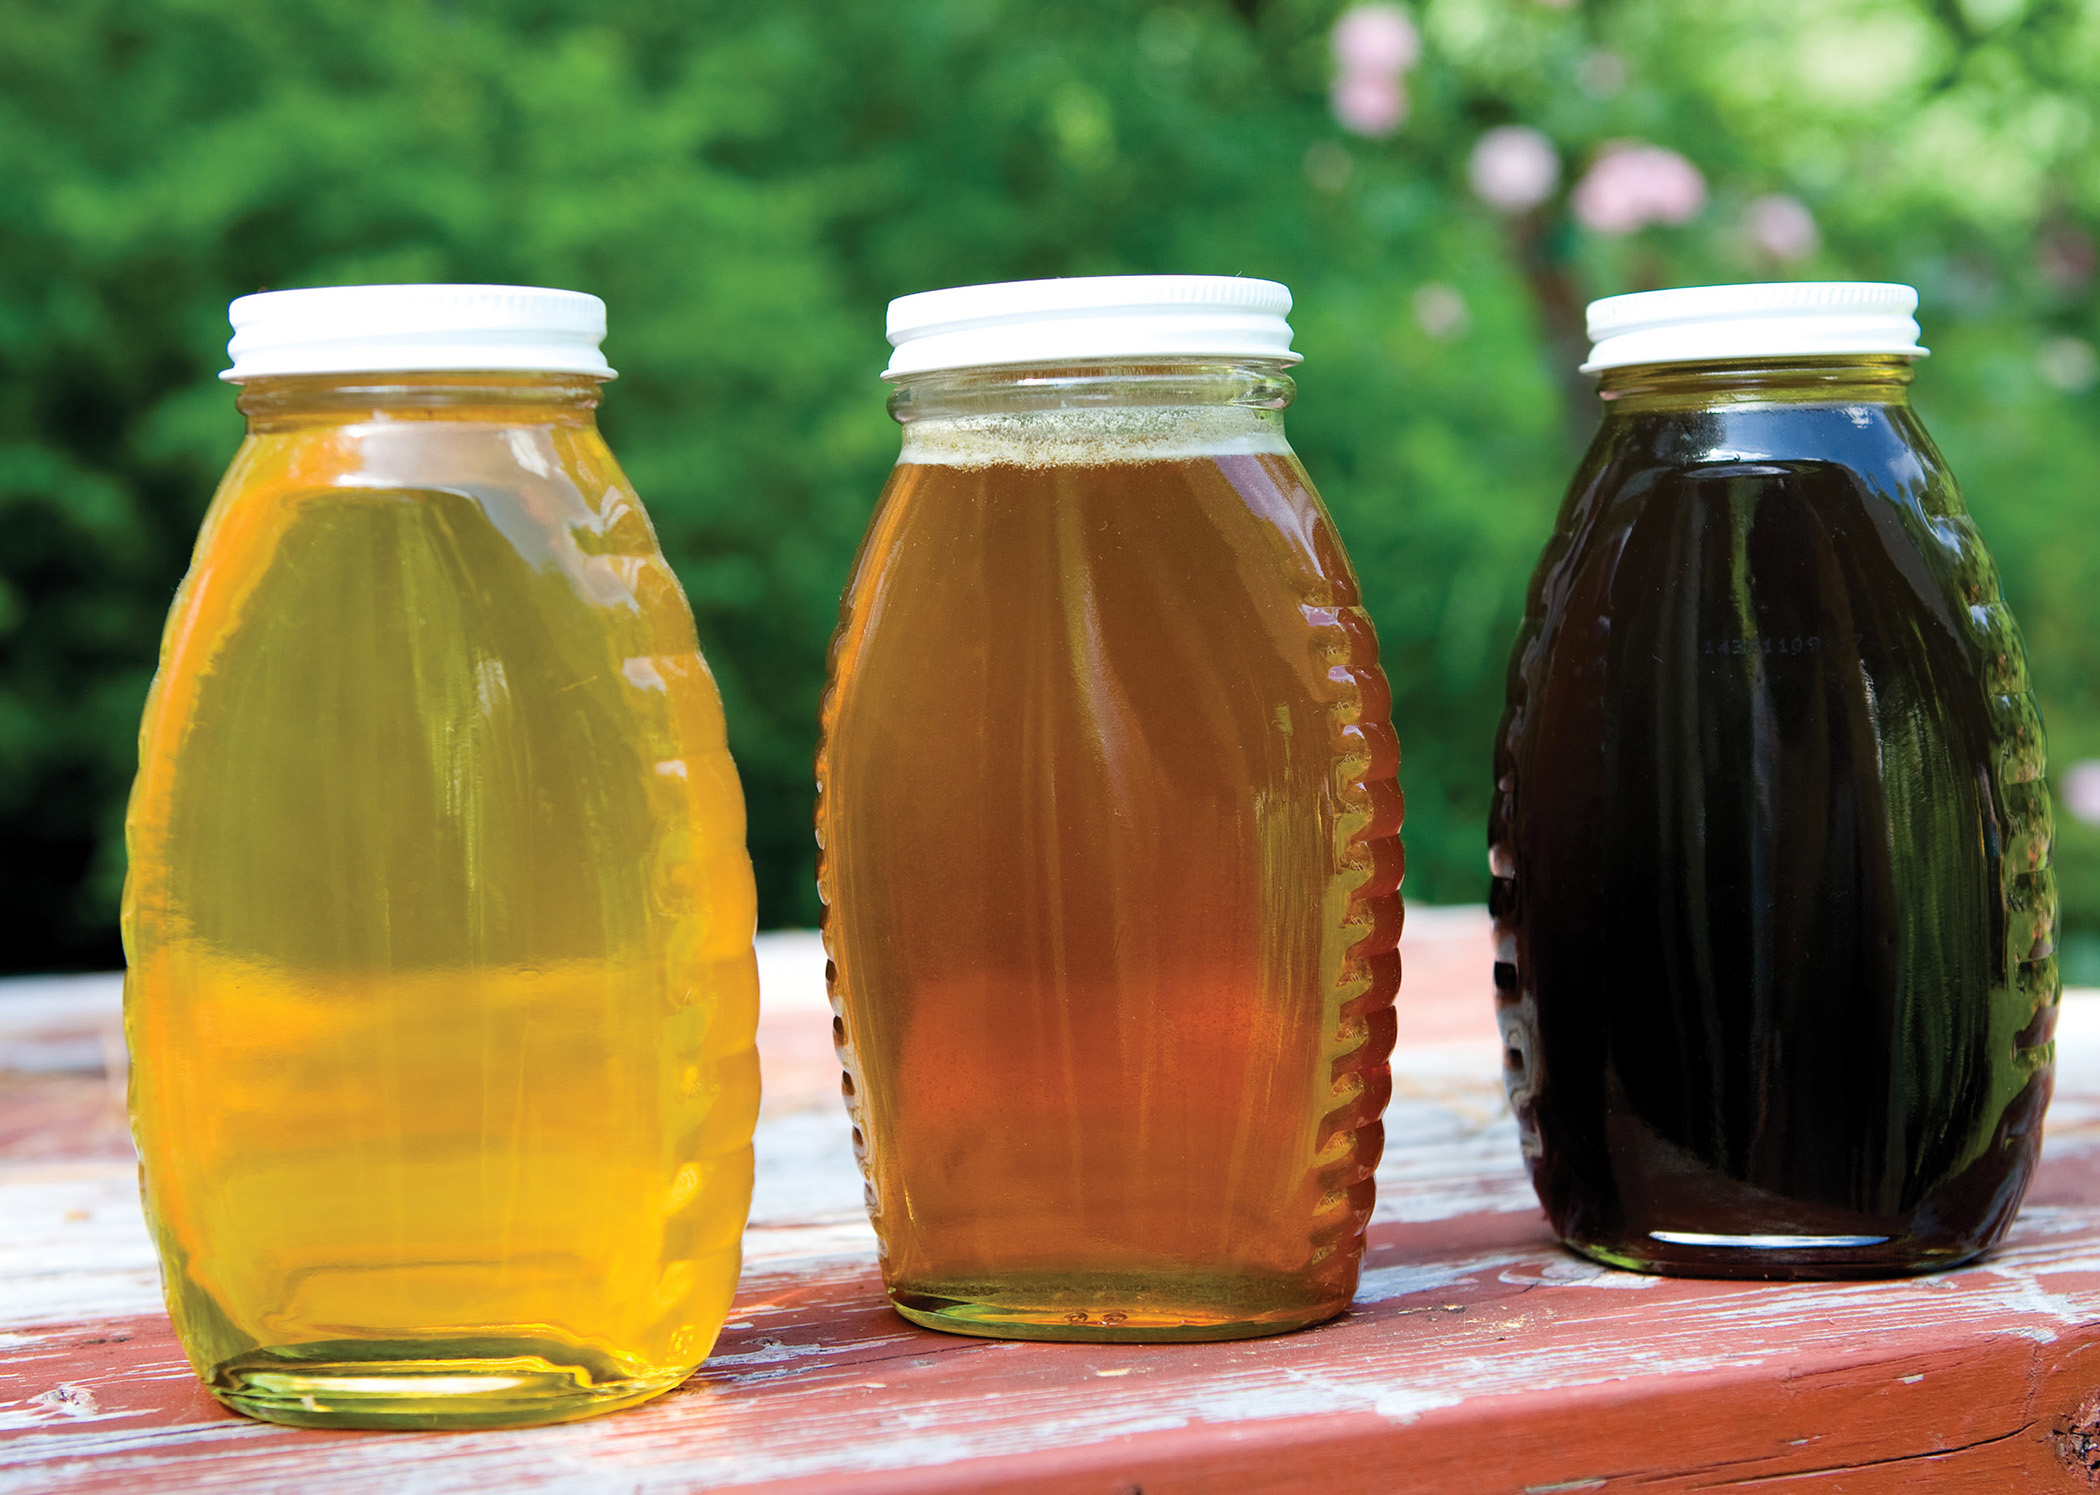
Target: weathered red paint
x,y
1479,1358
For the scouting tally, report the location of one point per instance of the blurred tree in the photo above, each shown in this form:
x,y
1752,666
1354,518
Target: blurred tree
x,y
748,185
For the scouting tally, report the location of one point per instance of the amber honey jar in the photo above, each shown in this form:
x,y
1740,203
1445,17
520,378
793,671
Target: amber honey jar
x,y
1109,823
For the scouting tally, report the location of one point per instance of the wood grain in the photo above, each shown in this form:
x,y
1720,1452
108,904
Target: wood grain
x,y
1478,1357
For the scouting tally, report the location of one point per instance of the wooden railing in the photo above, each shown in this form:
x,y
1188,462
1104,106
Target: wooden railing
x,y
1478,1357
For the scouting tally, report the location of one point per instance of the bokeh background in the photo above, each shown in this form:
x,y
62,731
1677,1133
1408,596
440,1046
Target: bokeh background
x,y
1443,184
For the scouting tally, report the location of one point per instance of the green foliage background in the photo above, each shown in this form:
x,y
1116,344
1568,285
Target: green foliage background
x,y
747,185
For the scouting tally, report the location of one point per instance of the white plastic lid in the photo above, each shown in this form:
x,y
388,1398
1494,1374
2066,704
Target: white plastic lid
x,y
1780,319
1090,319
416,328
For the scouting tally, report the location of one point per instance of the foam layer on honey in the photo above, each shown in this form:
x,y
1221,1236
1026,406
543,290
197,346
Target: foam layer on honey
x,y
1094,437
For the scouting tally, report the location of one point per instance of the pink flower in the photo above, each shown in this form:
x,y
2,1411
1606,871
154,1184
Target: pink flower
x,y
1375,39
1782,227
1374,46
1369,103
1514,168
2081,790
1632,184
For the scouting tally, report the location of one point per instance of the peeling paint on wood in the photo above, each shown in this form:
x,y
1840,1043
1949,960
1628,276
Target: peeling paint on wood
x,y
1478,1358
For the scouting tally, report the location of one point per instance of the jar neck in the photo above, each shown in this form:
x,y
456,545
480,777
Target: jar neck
x,y
1852,379
289,402
951,394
